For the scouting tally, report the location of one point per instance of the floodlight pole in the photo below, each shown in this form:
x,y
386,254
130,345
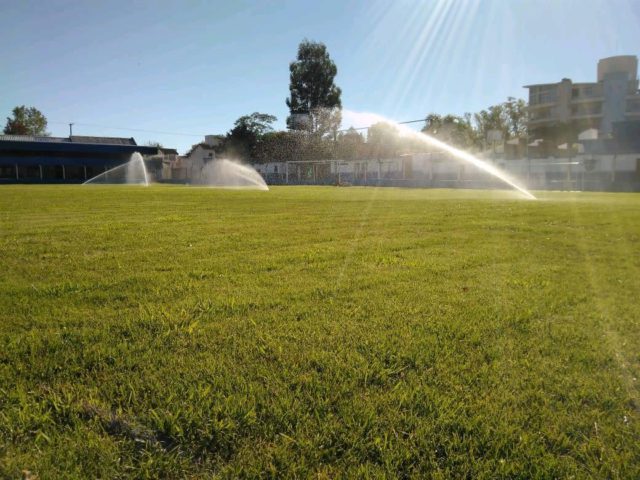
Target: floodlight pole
x,y
71,130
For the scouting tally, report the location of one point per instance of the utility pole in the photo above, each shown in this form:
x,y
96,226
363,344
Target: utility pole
x,y
70,129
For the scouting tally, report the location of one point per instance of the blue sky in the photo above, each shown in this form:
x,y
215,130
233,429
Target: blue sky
x,y
193,67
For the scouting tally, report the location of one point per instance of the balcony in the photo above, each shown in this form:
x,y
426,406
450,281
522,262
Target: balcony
x,y
585,115
583,110
586,92
583,100
542,120
540,105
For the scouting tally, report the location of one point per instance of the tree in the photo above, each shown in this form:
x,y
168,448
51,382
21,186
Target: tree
x,y
291,145
349,144
383,140
452,129
26,121
242,140
509,118
516,116
154,144
256,124
490,119
432,122
314,102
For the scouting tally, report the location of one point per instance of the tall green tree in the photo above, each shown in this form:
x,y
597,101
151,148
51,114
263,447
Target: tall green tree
x,y
314,99
26,121
242,140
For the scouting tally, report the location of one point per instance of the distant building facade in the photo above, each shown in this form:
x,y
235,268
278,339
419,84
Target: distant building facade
x,y
188,168
581,106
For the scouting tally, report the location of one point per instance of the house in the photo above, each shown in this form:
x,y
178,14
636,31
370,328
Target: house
x,y
188,168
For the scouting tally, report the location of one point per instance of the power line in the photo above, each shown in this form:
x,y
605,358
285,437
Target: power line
x,y
382,121
411,121
182,134
131,129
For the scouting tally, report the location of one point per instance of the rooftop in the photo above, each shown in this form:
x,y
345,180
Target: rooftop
x,y
72,139
202,145
620,64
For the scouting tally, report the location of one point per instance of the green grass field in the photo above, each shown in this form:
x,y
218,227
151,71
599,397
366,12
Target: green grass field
x,y
318,332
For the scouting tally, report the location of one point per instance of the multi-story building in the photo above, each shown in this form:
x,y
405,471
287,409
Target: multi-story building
x,y
564,108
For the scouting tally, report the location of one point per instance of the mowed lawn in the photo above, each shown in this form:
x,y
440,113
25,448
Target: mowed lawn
x,y
318,332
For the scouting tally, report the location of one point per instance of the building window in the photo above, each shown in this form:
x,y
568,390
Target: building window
x,y
575,93
547,97
546,94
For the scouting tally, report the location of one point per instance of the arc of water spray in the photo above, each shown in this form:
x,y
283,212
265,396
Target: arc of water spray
x,y
467,157
136,159
224,173
459,154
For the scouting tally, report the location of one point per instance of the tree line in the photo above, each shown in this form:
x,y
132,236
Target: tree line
x,y
315,116
314,119
253,138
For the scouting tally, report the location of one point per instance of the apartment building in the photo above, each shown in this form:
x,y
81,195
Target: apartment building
x,y
555,108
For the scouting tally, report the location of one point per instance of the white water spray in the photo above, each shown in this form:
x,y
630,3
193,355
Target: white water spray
x,y
225,173
134,172
467,157
455,152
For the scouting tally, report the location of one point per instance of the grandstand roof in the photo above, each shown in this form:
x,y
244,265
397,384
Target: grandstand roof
x,y
72,139
75,150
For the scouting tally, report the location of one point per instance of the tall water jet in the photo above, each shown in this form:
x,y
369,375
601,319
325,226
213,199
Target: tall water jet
x,y
223,173
134,172
455,152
